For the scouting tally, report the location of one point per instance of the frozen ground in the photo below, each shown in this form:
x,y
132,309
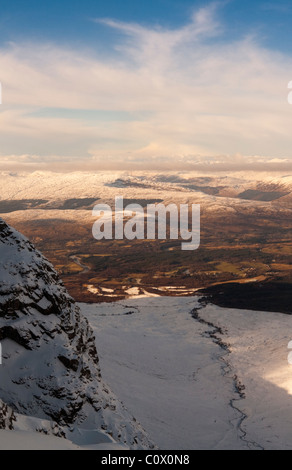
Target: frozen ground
x,y
198,377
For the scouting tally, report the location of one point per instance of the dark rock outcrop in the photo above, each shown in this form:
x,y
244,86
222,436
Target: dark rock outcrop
x,y
7,416
50,366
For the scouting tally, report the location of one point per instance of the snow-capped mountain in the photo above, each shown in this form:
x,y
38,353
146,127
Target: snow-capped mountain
x,y
50,366
45,187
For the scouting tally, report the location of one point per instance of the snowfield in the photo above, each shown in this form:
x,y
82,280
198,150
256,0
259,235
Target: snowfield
x,y
195,376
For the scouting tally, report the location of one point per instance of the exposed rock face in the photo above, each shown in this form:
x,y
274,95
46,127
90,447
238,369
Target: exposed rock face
x,y
7,416
50,364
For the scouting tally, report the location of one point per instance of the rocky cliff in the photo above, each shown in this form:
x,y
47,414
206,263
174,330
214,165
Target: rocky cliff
x,y
50,368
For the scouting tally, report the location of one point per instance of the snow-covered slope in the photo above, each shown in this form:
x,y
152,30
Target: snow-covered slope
x,y
44,194
50,367
105,185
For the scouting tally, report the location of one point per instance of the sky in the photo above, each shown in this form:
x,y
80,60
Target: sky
x,y
158,85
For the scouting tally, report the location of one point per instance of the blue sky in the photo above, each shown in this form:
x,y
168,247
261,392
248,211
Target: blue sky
x,y
69,21
132,84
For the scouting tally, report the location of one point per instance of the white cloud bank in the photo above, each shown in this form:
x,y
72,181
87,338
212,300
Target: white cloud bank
x,y
191,97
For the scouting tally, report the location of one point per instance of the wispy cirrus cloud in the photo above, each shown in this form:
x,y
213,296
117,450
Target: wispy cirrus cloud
x,y
184,94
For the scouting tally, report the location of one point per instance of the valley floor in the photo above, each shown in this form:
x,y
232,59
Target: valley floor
x,y
198,376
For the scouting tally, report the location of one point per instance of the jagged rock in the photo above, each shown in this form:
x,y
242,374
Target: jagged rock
x,y
7,416
50,366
